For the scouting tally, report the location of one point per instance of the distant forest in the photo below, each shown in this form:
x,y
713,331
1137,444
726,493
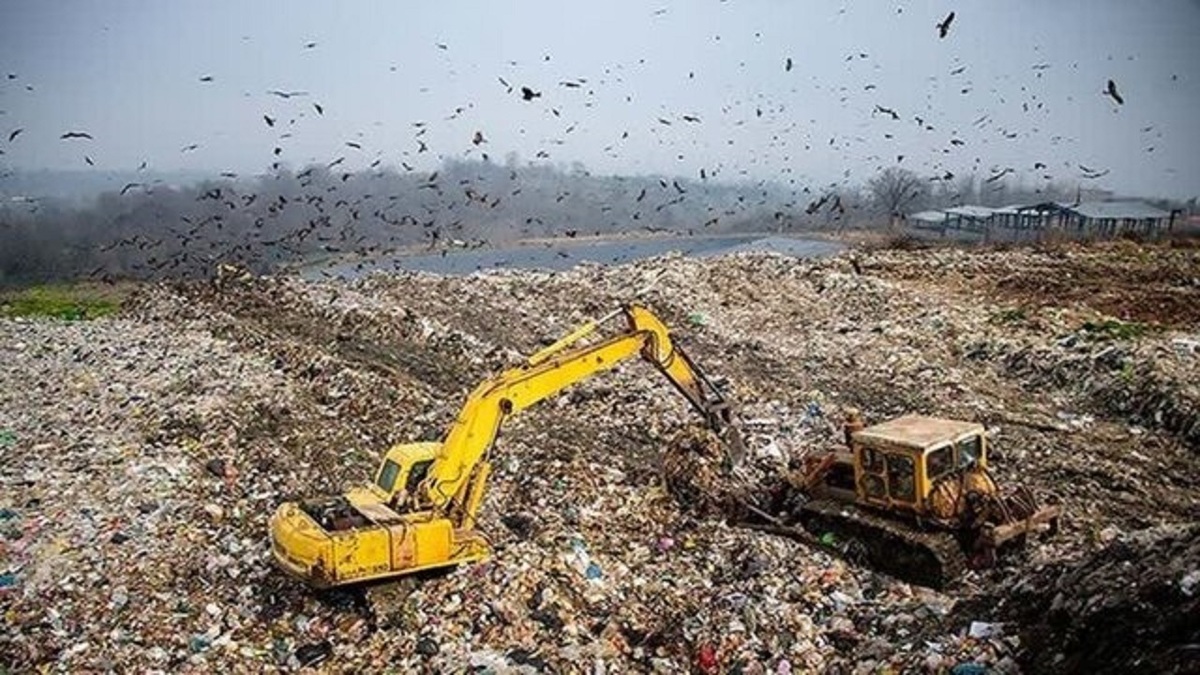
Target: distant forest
x,y
157,229
162,230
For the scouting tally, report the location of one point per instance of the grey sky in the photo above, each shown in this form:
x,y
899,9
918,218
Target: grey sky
x,y
129,73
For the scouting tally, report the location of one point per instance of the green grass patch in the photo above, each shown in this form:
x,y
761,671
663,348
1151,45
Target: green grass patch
x,y
1115,329
70,302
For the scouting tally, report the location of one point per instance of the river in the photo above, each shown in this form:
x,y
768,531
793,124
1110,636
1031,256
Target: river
x,y
563,254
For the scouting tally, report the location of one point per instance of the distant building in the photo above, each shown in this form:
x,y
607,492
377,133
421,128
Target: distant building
x,y
1118,217
927,218
1090,219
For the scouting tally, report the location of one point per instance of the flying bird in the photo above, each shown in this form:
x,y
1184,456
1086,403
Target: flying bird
x,y
287,94
529,94
787,65
886,111
14,134
318,108
206,78
690,118
309,45
189,148
269,120
89,160
478,138
129,186
1111,90
354,145
995,177
944,26
76,134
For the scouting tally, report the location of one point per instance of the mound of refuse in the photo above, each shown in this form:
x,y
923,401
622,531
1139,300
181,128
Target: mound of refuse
x,y
141,456
1130,607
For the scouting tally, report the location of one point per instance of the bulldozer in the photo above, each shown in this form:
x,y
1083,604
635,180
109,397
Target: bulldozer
x,y
913,497
420,510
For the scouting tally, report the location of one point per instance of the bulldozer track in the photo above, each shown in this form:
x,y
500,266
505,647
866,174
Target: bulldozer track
x,y
932,559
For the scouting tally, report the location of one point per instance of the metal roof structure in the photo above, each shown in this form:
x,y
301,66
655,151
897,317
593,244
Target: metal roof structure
x,y
1119,210
929,216
976,212
916,431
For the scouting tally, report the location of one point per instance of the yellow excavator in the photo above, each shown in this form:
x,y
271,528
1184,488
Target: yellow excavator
x,y
420,511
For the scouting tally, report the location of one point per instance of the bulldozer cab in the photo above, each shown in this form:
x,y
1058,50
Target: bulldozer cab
x,y
898,462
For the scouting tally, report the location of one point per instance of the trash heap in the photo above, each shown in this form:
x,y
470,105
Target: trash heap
x,y
1141,589
141,456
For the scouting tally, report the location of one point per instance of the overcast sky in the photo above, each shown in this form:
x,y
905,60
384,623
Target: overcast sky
x,y
1017,83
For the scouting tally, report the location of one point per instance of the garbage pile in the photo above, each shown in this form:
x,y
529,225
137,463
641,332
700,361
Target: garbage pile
x,y
1142,589
141,456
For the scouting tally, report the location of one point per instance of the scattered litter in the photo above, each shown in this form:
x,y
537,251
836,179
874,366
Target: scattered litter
x,y
313,654
981,630
1189,583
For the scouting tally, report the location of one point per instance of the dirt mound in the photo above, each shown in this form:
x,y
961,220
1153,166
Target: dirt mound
x,y
1131,607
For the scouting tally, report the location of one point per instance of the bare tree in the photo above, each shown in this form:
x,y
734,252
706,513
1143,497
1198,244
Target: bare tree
x,y
896,190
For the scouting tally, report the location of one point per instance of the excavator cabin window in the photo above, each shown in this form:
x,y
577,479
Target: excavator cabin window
x,y
416,475
387,475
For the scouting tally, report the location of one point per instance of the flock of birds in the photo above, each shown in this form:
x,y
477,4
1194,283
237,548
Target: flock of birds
x,y
830,199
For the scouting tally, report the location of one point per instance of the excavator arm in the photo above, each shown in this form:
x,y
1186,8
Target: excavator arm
x,y
420,512
459,472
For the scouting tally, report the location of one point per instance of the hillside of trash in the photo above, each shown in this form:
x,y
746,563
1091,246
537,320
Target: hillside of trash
x,y
141,455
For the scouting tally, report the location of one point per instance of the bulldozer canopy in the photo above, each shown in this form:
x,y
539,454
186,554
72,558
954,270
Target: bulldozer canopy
x,y
916,431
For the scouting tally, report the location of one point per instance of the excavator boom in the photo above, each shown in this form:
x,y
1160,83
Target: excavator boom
x,y
554,369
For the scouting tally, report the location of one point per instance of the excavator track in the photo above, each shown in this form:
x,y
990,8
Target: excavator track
x,y
932,559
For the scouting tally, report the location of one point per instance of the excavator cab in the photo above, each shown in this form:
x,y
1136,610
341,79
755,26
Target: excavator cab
x,y
403,468
379,527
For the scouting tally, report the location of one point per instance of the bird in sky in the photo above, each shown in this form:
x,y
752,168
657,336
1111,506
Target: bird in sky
x,y
944,27
1111,90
